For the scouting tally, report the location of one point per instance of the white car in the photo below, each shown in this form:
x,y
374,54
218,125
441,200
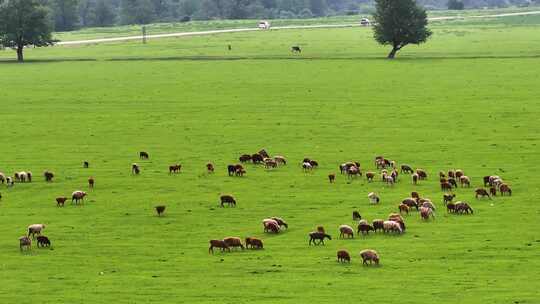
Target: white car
x,y
264,25
365,22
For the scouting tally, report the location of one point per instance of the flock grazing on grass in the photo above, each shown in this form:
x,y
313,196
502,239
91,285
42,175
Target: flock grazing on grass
x,y
388,174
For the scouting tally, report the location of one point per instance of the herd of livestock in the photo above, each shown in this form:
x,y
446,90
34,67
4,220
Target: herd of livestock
x,y
387,171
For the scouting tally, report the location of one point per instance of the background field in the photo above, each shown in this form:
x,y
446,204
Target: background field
x,y
468,99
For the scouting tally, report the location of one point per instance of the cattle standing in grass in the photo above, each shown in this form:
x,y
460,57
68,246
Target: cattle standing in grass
x,y
60,201
43,241
369,255
254,243
143,155
481,192
228,199
448,198
210,168
505,189
160,210
48,176
346,230
356,216
406,169
233,242
364,227
296,49
218,244
245,158
25,243
91,182
378,225
343,256
332,178
35,229
135,169
318,236
462,207
77,196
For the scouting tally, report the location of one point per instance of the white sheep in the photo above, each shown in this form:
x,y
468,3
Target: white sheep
x,y
373,198
35,229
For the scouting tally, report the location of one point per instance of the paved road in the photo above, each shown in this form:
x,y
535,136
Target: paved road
x,y
201,33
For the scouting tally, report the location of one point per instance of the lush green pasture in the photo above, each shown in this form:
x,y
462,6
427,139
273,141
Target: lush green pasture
x,y
468,99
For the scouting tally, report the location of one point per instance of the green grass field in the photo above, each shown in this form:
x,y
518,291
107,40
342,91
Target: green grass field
x,y
468,99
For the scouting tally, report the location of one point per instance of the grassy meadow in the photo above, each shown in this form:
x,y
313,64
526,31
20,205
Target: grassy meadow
x,y
467,99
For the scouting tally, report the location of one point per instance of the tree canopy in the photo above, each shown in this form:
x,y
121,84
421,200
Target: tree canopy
x,y
399,23
24,23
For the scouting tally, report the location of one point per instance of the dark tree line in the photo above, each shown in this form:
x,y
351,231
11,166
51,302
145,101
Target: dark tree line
x,y
67,15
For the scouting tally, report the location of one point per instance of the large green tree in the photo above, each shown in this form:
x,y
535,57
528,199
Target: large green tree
x,y
399,23
24,23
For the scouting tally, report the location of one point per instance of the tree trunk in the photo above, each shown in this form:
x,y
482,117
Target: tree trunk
x,y
20,57
393,53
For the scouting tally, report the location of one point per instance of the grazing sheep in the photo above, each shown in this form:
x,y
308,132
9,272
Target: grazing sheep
x,y
421,174
452,173
78,196
364,227
307,166
91,182
446,186
369,255
21,176
343,168
459,173
369,176
239,170
233,242
505,189
353,171
481,192
231,170
463,207
465,181
209,168
175,168
254,243
425,213
244,158
263,153
396,217
86,164
428,204
450,207
143,155
318,236
392,226
332,178
2,178
135,169
25,243
280,160
48,176
218,244
271,226
35,229
415,178
60,201
257,158
43,241
346,230
373,198
270,163
314,163
9,181
160,210
486,180
448,198
406,169
280,222
411,203
343,256
452,182
403,208
378,225
356,216
227,199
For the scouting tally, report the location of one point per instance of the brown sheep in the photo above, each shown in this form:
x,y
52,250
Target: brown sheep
x,y
332,177
218,244
493,191
233,242
239,170
451,173
415,178
378,225
356,216
25,243
271,226
486,180
450,207
209,168
410,202
160,210
175,168
464,181
446,186
281,222
254,243
459,174
91,182
481,192
60,201
228,199
463,207
421,174
270,163
318,236
77,196
48,176
406,169
369,255
425,213
35,229
505,189
364,227
403,208
346,230
353,171
257,158
244,158
343,256
280,160
370,176
43,241
143,155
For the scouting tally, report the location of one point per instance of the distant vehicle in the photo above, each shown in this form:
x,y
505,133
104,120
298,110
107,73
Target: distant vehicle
x,y
365,22
264,25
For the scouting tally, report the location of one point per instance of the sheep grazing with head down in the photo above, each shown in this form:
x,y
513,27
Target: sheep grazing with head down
x,y
364,227
160,210
481,192
411,203
450,207
25,243
463,207
373,198
218,244
369,176
43,241
403,208
254,243
306,166
426,212
176,168
505,189
60,201
406,169
227,199
343,256
421,174
280,160
378,225
143,155
392,226
77,196
281,222
428,204
35,229
346,230
48,176
233,242
356,216
271,225
369,255
244,158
